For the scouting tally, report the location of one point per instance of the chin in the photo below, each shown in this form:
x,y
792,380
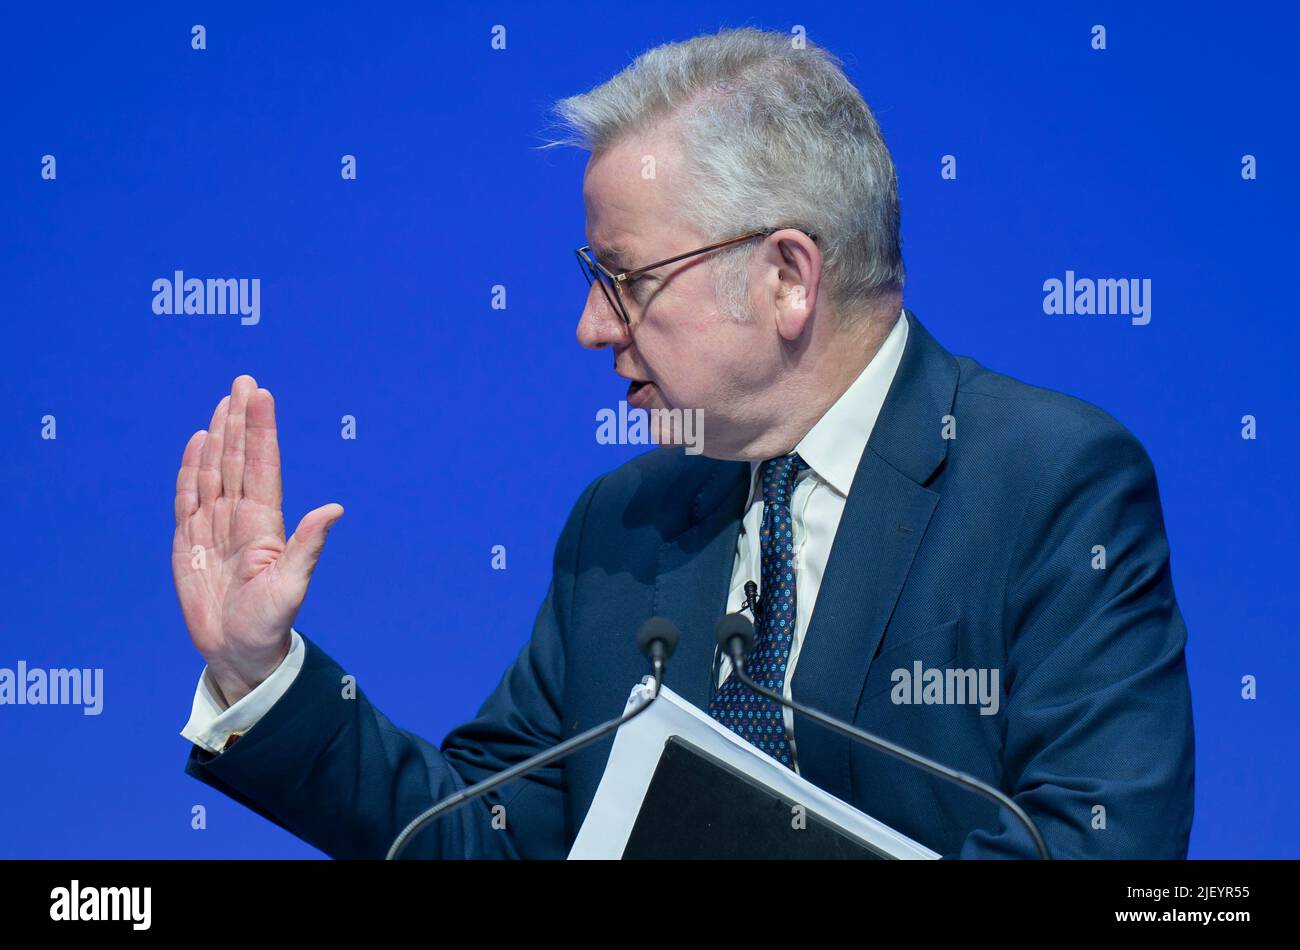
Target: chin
x,y
687,428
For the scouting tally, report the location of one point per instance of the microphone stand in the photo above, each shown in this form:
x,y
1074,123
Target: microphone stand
x,y
734,642
660,645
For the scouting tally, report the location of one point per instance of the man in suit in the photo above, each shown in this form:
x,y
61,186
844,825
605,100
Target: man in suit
x,y
903,510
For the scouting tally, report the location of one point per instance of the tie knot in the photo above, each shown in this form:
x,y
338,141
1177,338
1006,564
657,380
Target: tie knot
x,y
778,476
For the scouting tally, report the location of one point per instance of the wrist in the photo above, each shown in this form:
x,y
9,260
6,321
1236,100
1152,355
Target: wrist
x,y
237,678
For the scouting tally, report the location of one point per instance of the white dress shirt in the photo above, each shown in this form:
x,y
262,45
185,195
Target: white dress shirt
x,y
832,449
212,721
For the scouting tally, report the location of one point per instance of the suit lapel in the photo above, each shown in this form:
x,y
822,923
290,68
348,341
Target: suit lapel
x,y
882,526
694,577
885,517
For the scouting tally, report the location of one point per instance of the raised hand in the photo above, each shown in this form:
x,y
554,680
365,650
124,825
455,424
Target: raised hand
x,y
239,582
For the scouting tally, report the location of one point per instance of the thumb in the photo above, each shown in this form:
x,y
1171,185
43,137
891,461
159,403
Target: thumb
x,y
303,549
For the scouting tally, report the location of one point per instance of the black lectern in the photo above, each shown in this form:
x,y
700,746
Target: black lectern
x,y
699,807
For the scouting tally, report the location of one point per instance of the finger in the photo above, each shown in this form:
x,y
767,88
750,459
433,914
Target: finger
x,y
187,480
232,448
261,450
304,548
210,460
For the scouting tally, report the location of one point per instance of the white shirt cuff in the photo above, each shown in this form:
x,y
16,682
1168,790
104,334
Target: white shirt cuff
x,y
212,722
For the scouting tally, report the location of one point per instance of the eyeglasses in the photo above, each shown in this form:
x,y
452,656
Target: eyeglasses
x,y
612,284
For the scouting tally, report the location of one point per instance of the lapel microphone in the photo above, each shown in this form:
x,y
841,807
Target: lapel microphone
x,y
751,601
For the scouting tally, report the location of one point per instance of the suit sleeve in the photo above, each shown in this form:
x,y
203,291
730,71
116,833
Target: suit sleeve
x,y
329,767
1098,744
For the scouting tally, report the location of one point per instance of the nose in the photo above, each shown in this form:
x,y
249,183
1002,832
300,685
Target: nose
x,y
599,325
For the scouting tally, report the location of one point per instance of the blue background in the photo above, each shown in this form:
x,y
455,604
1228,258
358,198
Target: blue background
x,y
476,426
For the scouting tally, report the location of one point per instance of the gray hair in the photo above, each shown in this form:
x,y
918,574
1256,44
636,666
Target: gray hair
x,y
774,134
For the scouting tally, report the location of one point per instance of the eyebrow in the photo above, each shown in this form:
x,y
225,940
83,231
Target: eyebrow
x,y
612,257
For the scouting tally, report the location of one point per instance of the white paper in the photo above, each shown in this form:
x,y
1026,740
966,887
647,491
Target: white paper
x,y
638,745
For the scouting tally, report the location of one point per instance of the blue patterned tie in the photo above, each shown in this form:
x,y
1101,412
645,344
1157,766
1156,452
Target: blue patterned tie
x,y
749,715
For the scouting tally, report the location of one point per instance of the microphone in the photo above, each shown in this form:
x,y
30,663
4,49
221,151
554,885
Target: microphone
x,y
752,603
736,637
657,639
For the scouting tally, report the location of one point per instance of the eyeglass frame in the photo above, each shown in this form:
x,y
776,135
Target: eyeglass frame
x,y
589,263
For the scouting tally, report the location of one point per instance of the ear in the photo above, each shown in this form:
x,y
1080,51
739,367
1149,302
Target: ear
x,y
791,273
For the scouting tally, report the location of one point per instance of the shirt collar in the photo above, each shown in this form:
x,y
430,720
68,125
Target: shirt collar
x,y
833,447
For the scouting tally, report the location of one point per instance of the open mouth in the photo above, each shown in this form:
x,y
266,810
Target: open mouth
x,y
638,391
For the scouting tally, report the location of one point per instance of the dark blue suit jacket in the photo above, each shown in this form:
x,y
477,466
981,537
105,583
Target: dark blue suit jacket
x,y
972,552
